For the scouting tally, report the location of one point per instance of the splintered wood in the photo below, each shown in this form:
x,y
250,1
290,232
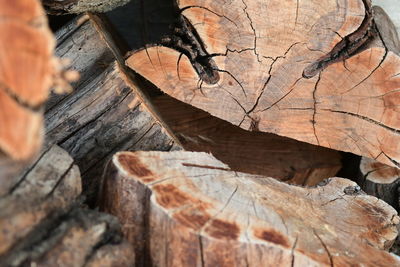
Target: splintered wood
x,y
189,209
323,72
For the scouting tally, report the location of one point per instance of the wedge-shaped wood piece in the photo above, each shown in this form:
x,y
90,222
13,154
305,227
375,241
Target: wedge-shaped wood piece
x,y
43,224
26,73
322,72
251,152
189,209
380,180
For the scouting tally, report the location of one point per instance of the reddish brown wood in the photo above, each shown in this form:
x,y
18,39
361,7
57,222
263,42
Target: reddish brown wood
x,y
321,72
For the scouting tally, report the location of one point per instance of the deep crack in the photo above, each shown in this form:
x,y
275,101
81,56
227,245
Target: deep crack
x,y
350,45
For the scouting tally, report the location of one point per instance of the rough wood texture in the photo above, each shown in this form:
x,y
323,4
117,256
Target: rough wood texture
x,y
189,209
42,223
251,152
61,7
27,69
380,180
102,115
321,72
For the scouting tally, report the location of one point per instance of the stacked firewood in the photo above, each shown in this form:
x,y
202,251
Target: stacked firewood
x,y
221,144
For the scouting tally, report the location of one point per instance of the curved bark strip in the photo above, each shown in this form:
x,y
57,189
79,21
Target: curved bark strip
x,y
193,211
322,72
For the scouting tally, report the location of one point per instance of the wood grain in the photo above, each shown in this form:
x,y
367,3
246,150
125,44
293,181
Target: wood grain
x,y
26,72
251,152
103,114
319,72
189,209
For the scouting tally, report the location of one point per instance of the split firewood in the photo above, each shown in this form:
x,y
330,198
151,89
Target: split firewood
x,y
27,71
251,152
102,115
43,224
189,209
324,72
380,180
62,7
26,50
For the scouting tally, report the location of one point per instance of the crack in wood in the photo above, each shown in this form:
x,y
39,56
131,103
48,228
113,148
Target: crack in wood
x,y
293,250
325,247
365,118
350,45
313,121
187,41
23,103
253,29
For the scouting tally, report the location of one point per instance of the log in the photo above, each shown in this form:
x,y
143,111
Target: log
x,y
62,7
380,180
42,222
324,73
251,152
383,182
26,51
189,209
102,115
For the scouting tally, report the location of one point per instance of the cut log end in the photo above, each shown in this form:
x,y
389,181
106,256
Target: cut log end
x,y
380,180
193,210
28,70
377,172
327,77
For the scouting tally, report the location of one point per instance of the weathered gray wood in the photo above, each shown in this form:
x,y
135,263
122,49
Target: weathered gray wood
x,y
61,7
380,180
43,224
102,115
80,44
189,209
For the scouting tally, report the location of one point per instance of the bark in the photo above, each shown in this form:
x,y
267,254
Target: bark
x,y
189,209
380,180
62,7
251,152
102,115
327,77
43,224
